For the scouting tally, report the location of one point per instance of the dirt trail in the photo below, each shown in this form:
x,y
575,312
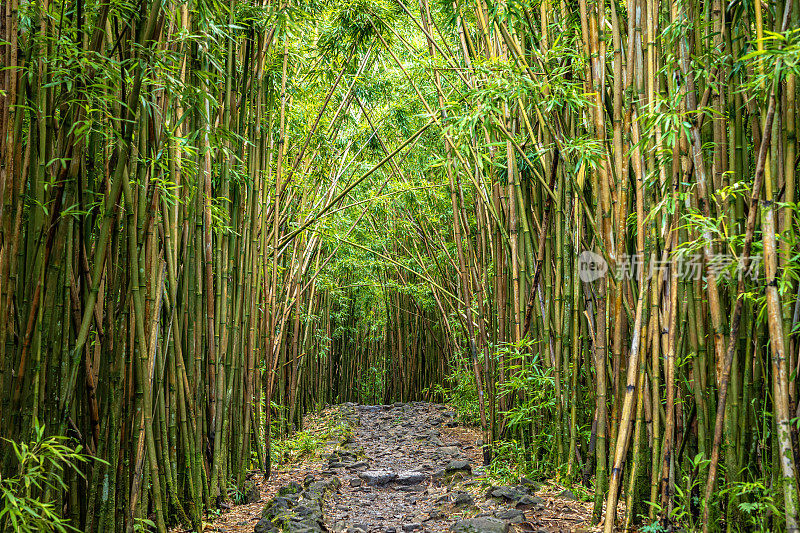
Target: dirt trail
x,y
405,468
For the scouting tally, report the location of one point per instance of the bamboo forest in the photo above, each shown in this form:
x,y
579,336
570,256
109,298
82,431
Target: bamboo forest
x,y
478,266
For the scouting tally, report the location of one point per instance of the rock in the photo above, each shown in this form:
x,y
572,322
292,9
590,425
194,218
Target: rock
x,y
391,530
358,466
451,423
568,495
458,466
437,514
507,493
355,482
377,477
308,480
411,527
410,477
530,502
295,510
251,492
463,499
480,525
411,488
449,450
512,516
291,488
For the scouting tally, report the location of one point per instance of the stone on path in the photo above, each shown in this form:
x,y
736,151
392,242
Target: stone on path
x,y
358,466
297,510
567,495
449,450
251,492
410,477
463,499
480,525
377,477
458,466
512,516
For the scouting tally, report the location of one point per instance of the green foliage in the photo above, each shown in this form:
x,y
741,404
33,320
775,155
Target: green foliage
x,y
685,495
41,466
373,383
756,503
526,374
143,525
530,392
508,462
461,393
309,443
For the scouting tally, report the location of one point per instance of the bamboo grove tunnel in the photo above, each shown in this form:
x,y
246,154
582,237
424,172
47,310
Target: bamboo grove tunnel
x,y
573,221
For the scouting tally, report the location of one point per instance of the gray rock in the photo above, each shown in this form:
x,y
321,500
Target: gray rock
x,y
511,494
358,466
410,477
295,510
449,450
251,492
390,530
411,527
463,499
512,516
411,488
377,477
458,466
291,488
437,514
568,495
530,502
355,482
480,525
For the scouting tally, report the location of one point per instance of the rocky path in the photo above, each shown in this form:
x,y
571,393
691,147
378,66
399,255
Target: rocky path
x,y
404,468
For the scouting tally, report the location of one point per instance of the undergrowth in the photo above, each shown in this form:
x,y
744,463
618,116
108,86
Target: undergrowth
x,y
309,443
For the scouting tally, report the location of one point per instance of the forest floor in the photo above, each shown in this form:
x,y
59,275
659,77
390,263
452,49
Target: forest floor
x,y
406,468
